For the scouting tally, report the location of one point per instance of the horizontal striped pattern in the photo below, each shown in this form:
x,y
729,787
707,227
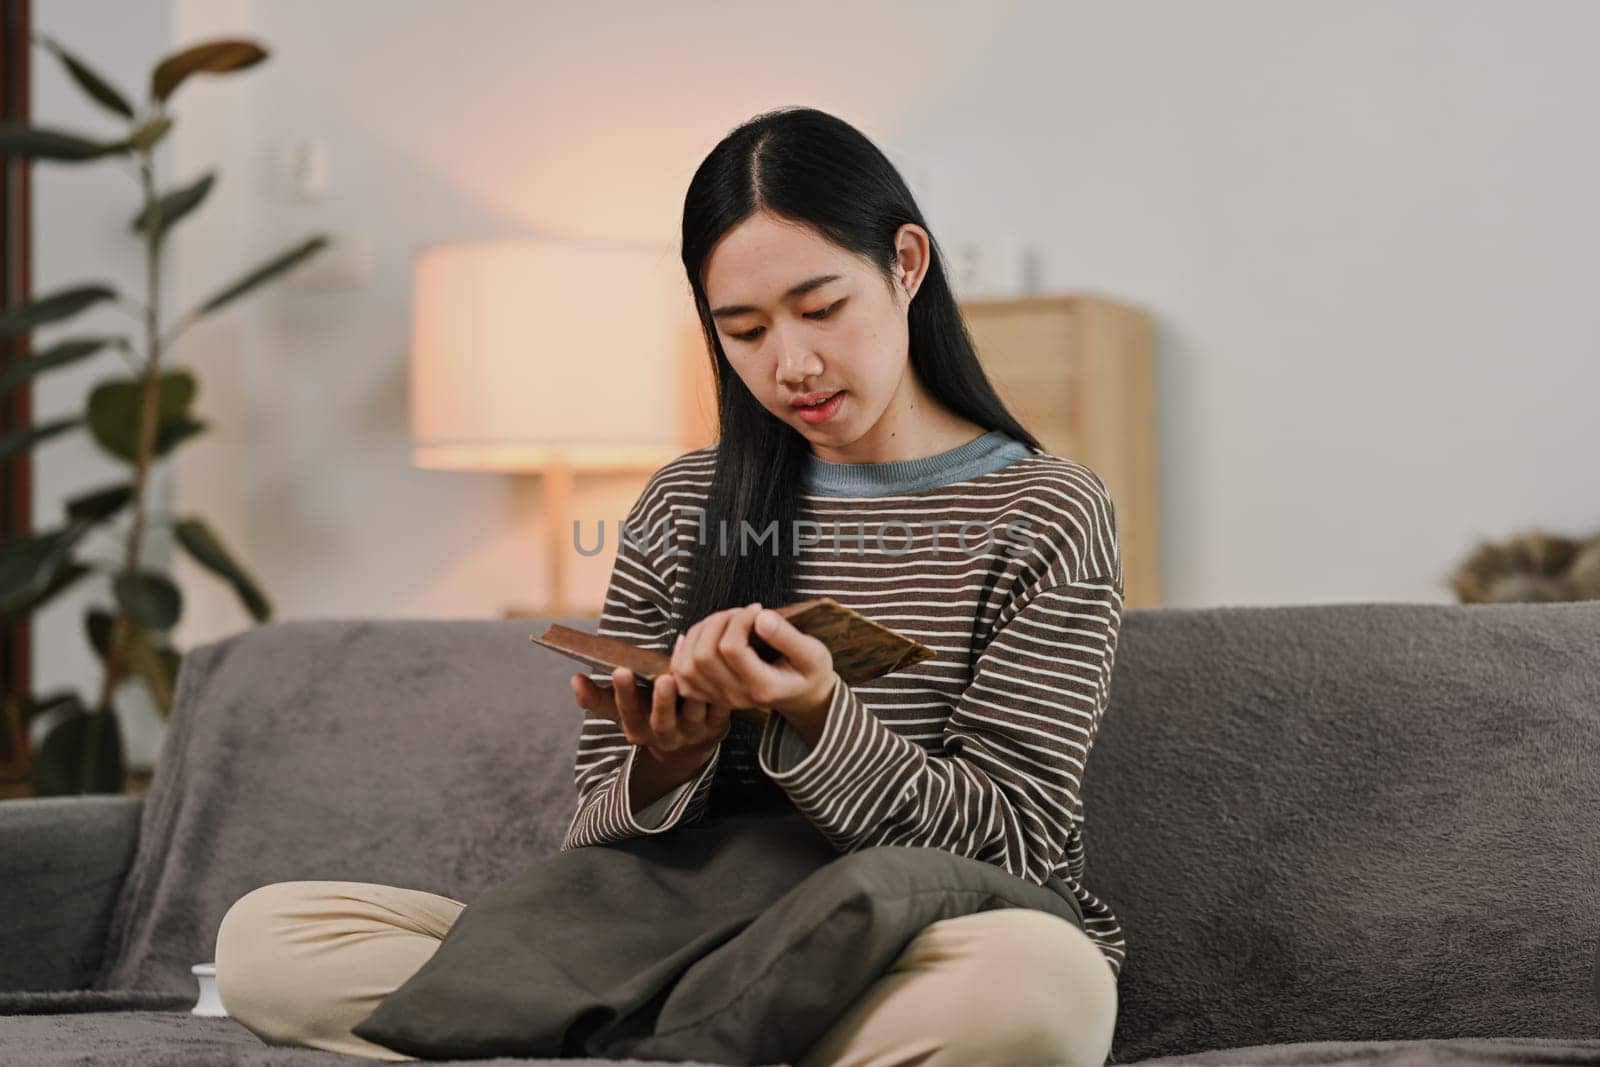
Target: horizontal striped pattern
x,y
980,751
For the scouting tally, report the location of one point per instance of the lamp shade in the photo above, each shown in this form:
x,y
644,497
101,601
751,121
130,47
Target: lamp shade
x,y
530,353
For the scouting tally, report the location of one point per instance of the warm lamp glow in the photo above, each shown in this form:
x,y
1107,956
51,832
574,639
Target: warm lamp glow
x,y
526,353
549,357
514,457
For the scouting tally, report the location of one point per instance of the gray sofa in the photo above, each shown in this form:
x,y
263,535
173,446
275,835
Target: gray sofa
x,y
1334,833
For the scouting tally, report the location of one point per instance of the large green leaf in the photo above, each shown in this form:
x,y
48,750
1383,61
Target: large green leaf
x,y
174,430
58,355
116,408
206,548
18,140
58,765
149,598
97,505
28,436
212,57
173,206
271,268
97,87
29,563
60,304
65,577
100,626
33,707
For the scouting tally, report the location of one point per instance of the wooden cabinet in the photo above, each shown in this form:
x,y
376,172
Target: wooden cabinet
x,y
1078,370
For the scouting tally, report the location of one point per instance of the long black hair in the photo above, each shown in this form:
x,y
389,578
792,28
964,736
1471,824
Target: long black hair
x,y
809,167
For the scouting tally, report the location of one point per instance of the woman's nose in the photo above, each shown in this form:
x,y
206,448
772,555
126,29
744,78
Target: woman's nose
x,y
796,364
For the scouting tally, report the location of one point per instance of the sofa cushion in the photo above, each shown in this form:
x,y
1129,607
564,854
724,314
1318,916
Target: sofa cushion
x,y
1357,821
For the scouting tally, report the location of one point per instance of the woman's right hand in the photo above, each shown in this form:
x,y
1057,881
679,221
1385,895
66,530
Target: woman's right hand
x,y
674,731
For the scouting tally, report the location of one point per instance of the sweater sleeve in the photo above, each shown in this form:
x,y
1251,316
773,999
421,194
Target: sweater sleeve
x,y
653,815
1006,788
638,609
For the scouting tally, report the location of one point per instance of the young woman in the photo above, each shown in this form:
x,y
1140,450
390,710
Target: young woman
x,y
862,455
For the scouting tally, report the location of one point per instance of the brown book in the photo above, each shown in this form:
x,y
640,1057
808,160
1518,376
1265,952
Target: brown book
x,y
862,649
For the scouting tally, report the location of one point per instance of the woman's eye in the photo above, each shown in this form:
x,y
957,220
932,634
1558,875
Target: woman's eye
x,y
752,334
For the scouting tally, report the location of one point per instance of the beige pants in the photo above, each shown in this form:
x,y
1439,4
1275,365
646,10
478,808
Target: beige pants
x,y
300,963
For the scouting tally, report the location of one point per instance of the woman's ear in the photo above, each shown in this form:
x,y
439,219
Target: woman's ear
x,y
911,258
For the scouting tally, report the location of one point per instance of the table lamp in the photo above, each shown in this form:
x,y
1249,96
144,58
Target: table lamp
x,y
548,357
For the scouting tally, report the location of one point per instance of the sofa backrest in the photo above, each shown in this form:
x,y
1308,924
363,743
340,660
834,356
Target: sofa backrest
x,y
1318,822
1351,822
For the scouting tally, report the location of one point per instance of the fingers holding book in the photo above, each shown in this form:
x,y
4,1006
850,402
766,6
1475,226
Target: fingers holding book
x,y
753,658
860,649
670,727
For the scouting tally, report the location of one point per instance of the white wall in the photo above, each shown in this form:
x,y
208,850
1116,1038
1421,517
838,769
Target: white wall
x,y
1365,230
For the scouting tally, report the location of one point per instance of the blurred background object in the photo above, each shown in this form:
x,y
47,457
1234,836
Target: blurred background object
x,y
549,358
1079,370
1532,566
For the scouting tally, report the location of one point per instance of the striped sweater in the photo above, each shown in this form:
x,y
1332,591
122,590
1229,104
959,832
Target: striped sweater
x,y
979,751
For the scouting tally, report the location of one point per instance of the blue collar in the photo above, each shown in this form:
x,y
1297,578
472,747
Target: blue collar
x,y
983,454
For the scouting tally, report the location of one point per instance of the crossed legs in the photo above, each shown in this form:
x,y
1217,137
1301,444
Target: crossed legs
x,y
300,963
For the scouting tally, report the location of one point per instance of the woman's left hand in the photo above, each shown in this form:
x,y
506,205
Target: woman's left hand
x,y
715,661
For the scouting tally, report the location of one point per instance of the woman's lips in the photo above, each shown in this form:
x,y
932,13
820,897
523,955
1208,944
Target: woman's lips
x,y
824,411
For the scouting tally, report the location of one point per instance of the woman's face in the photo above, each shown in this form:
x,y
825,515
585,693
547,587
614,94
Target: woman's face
x,y
799,316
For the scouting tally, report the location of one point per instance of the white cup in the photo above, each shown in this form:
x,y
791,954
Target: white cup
x,y
210,1003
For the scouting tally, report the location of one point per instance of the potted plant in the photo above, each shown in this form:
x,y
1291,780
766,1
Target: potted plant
x,y
138,416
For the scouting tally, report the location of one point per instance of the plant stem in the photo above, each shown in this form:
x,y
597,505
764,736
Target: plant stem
x,y
149,398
